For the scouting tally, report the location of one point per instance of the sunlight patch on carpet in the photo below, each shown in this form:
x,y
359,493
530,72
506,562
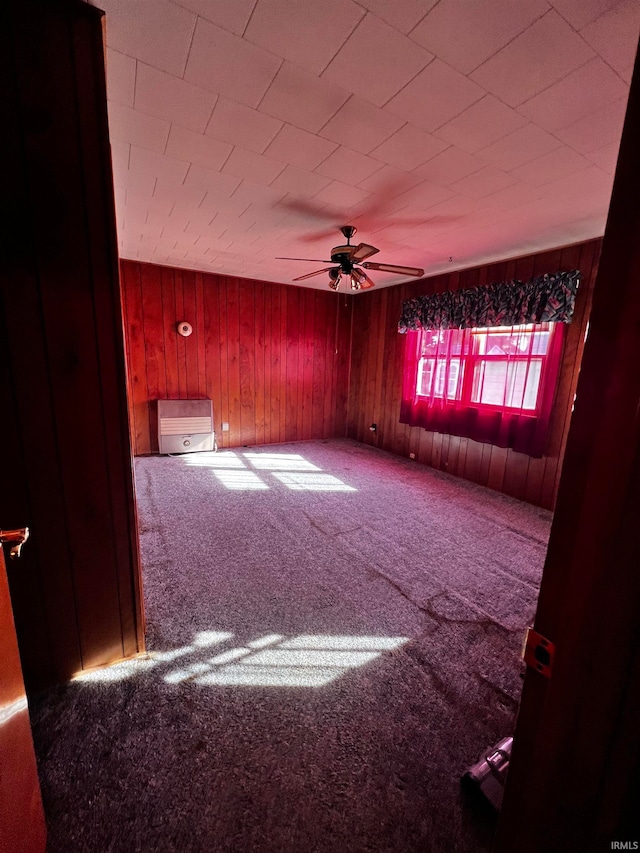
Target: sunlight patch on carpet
x,y
289,469
313,483
302,661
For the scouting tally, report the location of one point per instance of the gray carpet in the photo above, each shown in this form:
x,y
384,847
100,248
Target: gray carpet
x,y
334,636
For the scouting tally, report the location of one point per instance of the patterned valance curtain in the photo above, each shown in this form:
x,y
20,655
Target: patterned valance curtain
x,y
545,299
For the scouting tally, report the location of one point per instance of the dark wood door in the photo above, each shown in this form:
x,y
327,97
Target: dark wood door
x,y
22,826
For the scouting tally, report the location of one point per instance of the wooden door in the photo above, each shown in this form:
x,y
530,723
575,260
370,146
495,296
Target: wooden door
x,y
22,826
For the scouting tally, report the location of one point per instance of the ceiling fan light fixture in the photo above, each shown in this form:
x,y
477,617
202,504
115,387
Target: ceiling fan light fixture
x,y
357,278
335,277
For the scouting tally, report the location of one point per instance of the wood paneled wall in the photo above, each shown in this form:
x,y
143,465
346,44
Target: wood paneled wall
x,y
66,459
273,358
376,379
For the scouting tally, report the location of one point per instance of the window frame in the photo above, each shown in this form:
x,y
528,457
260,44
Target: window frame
x,y
468,363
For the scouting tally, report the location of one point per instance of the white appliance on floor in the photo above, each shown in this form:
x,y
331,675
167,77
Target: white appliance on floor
x,y
185,426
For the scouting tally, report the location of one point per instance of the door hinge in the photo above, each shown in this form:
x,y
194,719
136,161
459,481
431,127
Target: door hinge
x,y
538,652
16,538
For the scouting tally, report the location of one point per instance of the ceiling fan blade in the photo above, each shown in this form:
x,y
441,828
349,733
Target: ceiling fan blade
x,y
311,274
393,268
366,283
362,251
308,208
313,260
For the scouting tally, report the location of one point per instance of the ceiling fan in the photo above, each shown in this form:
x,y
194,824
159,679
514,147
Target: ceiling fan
x,y
349,262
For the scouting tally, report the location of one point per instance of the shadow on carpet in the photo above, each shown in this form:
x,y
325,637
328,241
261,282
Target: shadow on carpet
x,y
334,636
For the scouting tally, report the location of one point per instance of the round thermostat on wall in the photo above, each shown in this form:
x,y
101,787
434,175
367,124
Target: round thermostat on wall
x,y
184,328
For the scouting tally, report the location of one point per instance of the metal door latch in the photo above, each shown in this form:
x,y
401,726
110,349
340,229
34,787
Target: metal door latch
x,y
538,652
17,537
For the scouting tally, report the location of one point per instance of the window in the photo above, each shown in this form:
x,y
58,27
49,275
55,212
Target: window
x,y
493,384
496,366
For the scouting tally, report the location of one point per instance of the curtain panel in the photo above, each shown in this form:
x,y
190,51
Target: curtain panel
x,y
509,423
547,298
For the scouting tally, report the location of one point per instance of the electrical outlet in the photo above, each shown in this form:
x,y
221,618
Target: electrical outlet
x,y
225,426
412,456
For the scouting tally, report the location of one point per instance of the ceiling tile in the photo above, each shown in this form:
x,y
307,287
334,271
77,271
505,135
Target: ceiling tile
x,y
403,15
409,148
510,198
361,126
416,200
450,166
581,187
341,196
230,66
127,125
481,124
601,128
520,147
376,61
142,183
158,33
119,158
217,185
297,97
176,193
303,32
240,125
201,221
348,166
196,148
435,96
606,158
551,166
465,34
299,148
582,92
390,182
299,182
172,98
159,165
583,12
543,54
615,34
483,183
232,15
141,196
251,166
251,193
121,77
221,209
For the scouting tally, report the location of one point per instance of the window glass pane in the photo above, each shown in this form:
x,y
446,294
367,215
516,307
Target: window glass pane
x,y
489,381
530,397
519,340
425,376
540,343
448,376
511,384
436,375
442,342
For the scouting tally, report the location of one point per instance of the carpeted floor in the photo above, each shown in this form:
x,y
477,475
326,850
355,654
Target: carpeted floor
x,y
334,636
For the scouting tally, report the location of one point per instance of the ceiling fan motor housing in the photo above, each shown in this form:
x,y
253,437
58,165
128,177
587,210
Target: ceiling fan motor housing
x,y
340,253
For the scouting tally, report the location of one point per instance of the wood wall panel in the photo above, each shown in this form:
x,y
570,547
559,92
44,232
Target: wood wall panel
x,y
376,379
67,468
273,358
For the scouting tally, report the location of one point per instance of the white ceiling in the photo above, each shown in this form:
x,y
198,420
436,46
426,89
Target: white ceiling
x,y
465,129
